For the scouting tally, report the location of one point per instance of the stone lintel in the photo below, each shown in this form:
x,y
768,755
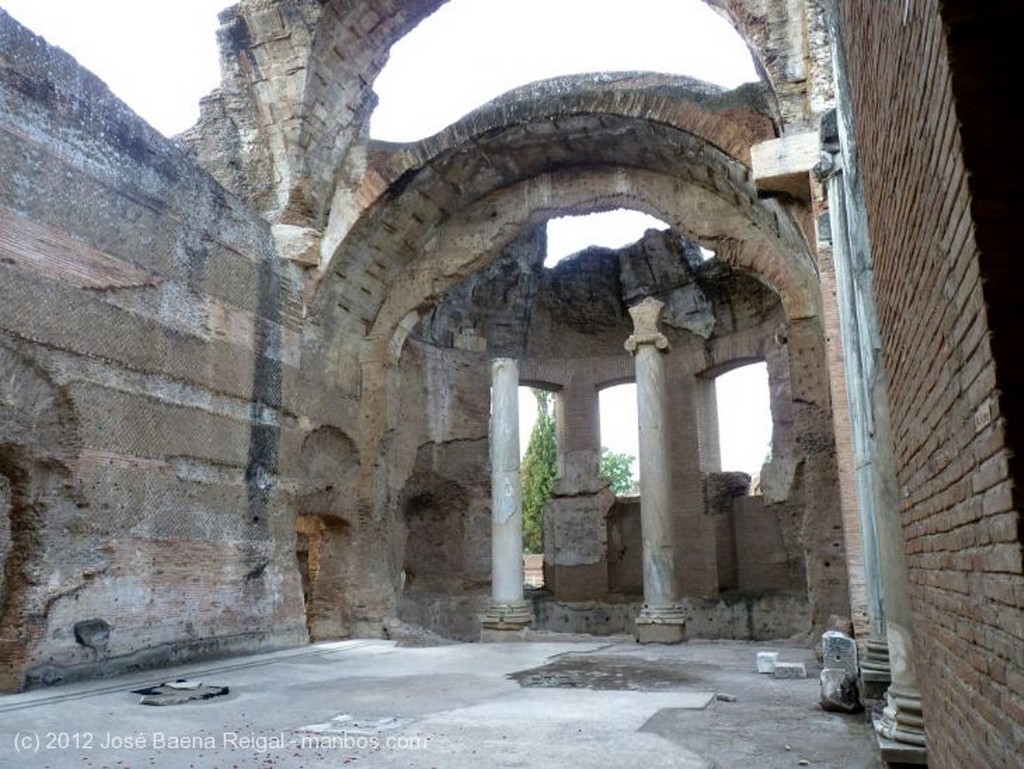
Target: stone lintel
x,y
784,164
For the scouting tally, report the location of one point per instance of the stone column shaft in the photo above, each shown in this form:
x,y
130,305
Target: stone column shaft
x,y
507,610
902,718
661,619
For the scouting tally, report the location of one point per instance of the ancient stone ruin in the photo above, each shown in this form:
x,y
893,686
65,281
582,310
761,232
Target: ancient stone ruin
x,y
257,381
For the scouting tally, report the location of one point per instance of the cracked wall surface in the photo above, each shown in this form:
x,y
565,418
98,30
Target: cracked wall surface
x,y
149,335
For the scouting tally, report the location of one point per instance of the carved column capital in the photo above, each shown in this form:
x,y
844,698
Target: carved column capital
x,y
646,315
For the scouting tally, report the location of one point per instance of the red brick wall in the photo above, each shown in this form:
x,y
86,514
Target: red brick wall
x,y
936,237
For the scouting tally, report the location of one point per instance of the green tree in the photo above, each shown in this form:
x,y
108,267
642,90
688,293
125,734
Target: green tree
x,y
617,469
538,470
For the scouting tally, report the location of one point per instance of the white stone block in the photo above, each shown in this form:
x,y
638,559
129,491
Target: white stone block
x,y
790,670
766,661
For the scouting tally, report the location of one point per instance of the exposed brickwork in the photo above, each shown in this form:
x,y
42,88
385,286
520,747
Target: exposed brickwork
x,y
172,406
147,312
939,333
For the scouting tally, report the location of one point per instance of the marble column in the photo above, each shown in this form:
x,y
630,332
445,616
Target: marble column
x,y
507,610
858,326
661,619
902,719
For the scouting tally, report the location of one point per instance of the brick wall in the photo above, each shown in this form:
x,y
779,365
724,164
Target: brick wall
x,y
947,298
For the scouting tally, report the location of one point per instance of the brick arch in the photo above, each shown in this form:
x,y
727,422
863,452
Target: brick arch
x,y
452,253
716,127
304,70
733,353
468,242
422,190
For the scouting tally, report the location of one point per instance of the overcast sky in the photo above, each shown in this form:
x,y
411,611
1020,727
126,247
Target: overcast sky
x,y
161,58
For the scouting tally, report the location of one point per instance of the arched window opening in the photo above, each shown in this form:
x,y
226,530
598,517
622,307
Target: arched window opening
x,y
568,235
619,439
744,420
467,53
538,448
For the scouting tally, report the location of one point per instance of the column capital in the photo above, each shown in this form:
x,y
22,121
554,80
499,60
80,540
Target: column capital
x,y
503,364
646,315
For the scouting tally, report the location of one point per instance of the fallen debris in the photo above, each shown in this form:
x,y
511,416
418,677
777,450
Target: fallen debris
x,y
178,691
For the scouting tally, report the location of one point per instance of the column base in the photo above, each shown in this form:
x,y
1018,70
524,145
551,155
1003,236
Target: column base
x,y
899,753
875,673
661,625
901,722
504,617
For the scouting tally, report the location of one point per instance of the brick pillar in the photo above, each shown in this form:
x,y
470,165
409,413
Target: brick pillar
x,y
575,527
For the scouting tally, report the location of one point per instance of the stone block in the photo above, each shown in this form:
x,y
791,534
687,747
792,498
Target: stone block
x,y
511,635
766,661
660,633
789,670
838,650
839,691
777,478
900,753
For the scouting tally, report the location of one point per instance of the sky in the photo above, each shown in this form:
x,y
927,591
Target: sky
x,y
744,418
161,58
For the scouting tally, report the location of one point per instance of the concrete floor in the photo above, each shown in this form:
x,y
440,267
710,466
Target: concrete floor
x,y
585,703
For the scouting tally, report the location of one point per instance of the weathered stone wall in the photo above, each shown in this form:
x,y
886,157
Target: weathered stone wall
x,y
5,531
148,333
204,401
931,85
441,500
567,325
750,616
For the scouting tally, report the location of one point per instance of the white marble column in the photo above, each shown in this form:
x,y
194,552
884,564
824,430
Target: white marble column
x,y
507,610
858,326
661,619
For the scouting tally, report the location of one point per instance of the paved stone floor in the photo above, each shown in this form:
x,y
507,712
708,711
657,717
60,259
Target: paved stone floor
x,y
368,703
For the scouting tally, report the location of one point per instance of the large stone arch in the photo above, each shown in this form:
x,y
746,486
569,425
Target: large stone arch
x,y
440,209
421,217
672,129
297,89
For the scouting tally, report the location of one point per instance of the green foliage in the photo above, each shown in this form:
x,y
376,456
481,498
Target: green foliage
x,y
538,469
617,469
